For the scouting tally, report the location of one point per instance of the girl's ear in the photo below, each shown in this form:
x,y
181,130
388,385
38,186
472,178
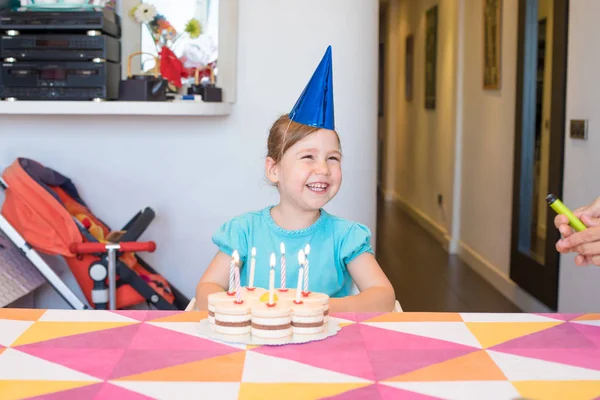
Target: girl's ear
x,y
272,170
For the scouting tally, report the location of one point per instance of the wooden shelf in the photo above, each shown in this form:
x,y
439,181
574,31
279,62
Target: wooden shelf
x,y
178,108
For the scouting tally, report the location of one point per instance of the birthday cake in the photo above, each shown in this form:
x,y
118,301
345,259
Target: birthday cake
x,y
270,313
279,319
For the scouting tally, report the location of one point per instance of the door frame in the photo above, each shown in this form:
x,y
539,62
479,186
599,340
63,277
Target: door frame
x,y
541,281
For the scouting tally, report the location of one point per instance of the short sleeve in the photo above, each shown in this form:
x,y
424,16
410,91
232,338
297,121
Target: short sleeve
x,y
232,236
356,242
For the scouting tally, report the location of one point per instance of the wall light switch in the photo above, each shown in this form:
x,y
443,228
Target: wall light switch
x,y
579,129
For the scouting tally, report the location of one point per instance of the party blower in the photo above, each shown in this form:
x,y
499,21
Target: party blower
x,y
560,208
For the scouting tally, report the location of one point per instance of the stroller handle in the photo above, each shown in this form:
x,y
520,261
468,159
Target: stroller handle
x,y
80,248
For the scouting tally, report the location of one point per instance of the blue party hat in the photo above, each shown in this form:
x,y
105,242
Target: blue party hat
x,y
315,105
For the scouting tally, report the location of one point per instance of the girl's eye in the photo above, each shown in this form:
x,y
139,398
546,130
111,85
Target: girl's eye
x,y
307,156
334,158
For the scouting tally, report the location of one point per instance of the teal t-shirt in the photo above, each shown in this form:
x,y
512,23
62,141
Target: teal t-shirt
x,y
334,242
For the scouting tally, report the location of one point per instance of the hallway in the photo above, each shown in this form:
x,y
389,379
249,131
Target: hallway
x,y
424,276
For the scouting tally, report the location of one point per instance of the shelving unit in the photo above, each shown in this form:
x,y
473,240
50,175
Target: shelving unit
x,y
179,108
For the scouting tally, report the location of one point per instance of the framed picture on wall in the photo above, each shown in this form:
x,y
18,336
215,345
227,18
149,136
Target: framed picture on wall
x,y
431,21
492,24
408,67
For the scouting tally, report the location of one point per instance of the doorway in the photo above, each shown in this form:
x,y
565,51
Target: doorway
x,y
539,145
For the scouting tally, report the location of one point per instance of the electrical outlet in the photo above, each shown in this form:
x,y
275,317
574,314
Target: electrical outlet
x,y
578,129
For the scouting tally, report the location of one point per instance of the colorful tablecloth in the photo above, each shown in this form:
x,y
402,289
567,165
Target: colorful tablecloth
x,y
63,354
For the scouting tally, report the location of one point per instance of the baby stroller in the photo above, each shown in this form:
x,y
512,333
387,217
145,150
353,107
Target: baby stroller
x,y
43,212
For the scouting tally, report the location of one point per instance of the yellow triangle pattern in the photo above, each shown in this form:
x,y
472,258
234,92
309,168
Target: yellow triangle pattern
x,y
20,314
559,390
47,330
295,391
588,317
491,334
12,390
417,317
227,368
477,366
188,316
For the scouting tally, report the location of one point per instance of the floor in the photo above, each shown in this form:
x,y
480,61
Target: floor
x,y
425,277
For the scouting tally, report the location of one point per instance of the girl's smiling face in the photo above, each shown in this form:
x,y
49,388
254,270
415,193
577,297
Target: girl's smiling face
x,y
309,174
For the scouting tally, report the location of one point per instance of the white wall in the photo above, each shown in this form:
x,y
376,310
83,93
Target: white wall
x,y
579,286
488,142
198,172
423,139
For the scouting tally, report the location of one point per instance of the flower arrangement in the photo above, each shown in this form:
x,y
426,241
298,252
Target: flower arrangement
x,y
165,36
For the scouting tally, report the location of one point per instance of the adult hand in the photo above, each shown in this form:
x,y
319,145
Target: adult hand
x,y
586,243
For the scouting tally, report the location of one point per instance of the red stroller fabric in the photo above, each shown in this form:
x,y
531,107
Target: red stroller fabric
x,y
43,206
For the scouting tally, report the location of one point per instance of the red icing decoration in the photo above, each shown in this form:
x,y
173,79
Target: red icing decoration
x,y
298,302
283,290
250,288
271,305
230,293
305,294
239,302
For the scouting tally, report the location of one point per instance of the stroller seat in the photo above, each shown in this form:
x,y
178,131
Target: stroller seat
x,y
44,212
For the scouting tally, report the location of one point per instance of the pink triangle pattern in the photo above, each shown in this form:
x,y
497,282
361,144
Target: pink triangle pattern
x,y
338,359
563,336
390,393
379,392
138,361
590,331
562,317
384,339
138,315
96,391
114,338
151,337
350,316
157,314
389,363
95,362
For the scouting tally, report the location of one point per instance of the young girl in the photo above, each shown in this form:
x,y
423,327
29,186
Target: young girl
x,y
304,163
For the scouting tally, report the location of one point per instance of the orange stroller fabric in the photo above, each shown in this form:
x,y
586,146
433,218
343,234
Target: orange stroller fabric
x,y
44,215
44,223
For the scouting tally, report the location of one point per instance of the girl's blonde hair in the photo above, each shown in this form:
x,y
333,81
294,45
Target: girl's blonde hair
x,y
284,134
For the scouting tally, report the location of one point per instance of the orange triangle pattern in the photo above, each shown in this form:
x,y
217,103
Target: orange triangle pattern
x,y
572,390
491,334
586,317
417,317
10,390
188,316
2,351
295,391
21,314
47,330
227,368
477,366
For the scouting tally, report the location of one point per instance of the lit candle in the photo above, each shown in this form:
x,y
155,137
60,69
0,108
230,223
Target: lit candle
x,y
252,266
301,261
306,251
272,281
238,291
235,257
283,283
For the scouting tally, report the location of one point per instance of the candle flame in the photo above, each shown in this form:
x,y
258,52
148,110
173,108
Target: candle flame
x,y
254,252
301,257
307,249
236,256
282,248
272,260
